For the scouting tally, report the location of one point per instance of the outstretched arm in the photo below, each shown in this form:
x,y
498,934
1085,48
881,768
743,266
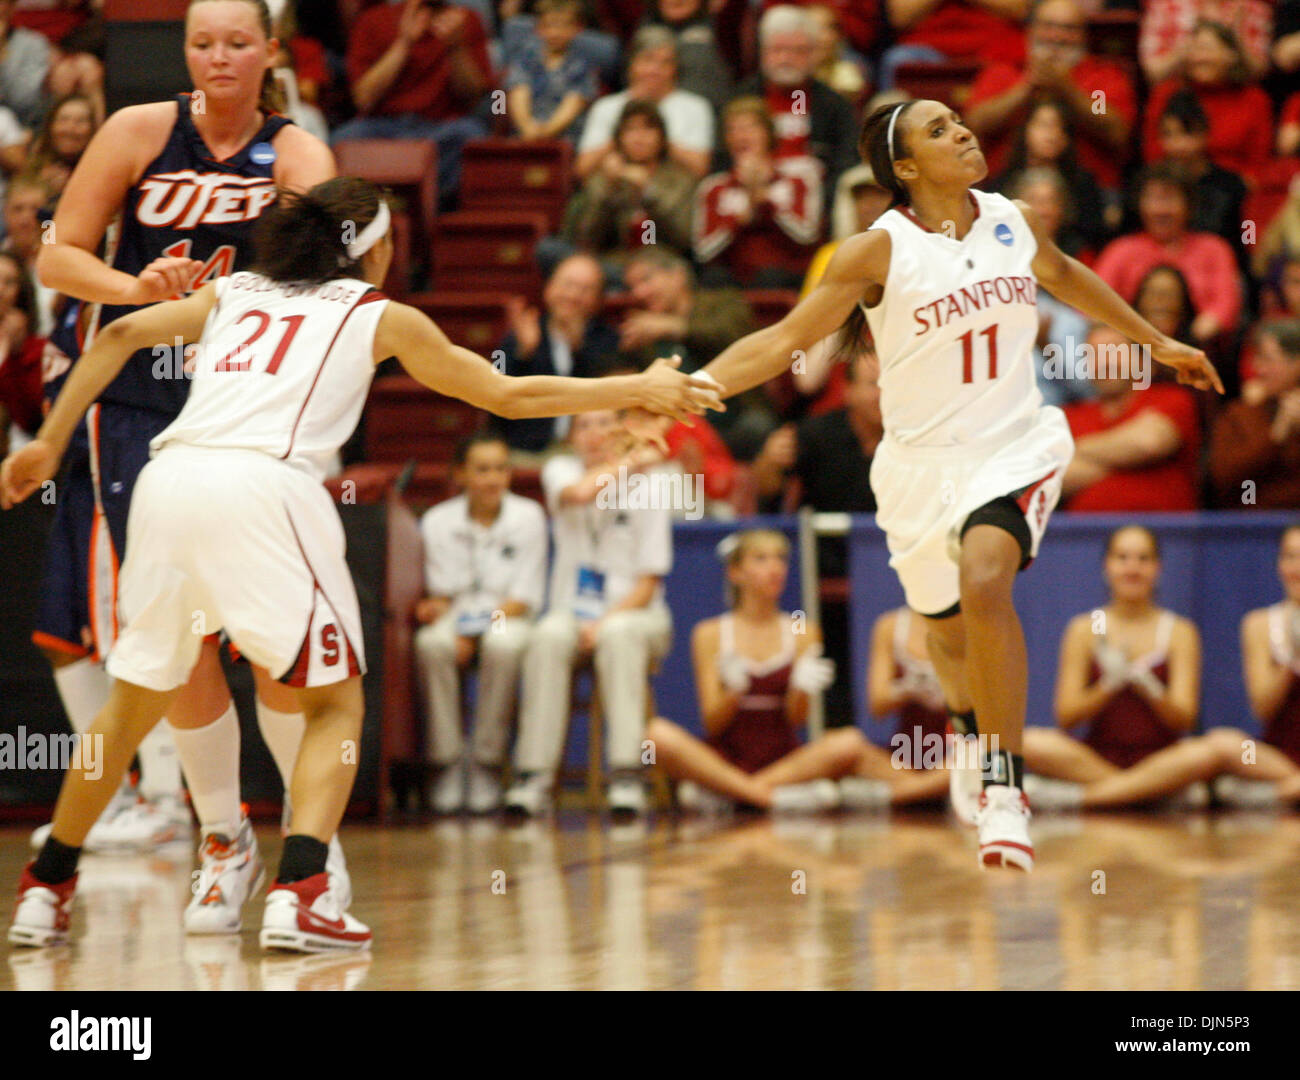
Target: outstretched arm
x,y
1073,283
431,358
860,262
158,326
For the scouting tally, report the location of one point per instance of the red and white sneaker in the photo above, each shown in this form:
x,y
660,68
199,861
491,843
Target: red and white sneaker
x,y
306,916
1003,822
230,871
43,911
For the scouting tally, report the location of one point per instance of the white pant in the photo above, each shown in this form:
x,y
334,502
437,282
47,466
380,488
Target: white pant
x,y
500,652
628,642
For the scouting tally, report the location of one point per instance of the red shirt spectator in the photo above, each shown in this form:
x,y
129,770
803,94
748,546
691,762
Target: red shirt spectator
x,y
963,31
1240,113
1168,484
761,219
1205,260
1167,27
21,398
859,20
701,452
425,83
1092,74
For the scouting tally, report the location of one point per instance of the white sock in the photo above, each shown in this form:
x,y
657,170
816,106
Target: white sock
x,y
160,764
282,733
83,689
210,757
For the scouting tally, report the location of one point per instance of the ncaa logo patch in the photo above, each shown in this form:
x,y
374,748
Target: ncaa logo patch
x,y
262,153
1004,235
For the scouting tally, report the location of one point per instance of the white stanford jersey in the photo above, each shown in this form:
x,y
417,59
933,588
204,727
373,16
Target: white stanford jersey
x,y
956,327
283,368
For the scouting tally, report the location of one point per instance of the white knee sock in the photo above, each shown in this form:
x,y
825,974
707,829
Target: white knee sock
x,y
83,689
160,764
210,757
283,734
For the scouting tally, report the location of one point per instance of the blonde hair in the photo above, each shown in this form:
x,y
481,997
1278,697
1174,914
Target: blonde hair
x,y
733,549
271,99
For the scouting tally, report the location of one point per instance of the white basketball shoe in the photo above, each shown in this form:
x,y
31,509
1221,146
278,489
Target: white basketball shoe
x,y
1003,822
305,916
230,871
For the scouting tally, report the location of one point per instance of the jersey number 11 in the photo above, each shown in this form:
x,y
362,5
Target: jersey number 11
x,y
968,353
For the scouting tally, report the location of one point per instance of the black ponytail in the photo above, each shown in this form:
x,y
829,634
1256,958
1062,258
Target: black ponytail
x,y
303,236
874,148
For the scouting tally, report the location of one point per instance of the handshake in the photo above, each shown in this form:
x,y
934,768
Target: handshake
x,y
1118,671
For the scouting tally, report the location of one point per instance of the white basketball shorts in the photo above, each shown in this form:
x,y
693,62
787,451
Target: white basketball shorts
x,y
238,540
925,494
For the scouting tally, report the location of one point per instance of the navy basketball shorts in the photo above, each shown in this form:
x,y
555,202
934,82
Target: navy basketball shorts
x,y
78,605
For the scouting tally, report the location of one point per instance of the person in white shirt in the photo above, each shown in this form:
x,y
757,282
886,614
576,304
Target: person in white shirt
x,y
652,77
485,573
606,602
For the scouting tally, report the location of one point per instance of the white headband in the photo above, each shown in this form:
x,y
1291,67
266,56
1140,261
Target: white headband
x,y
889,135
371,234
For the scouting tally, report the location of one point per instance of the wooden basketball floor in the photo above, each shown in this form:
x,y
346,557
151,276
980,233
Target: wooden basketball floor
x,y
1158,901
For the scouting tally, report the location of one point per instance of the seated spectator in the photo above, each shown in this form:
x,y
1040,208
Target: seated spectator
x,y
24,204
755,677
1217,193
300,72
61,141
596,47
1060,327
1047,142
811,119
1058,66
832,64
701,68
25,58
1165,301
607,605
1283,301
417,69
640,196
548,85
931,31
831,456
1167,28
21,395
651,77
755,226
567,337
1135,449
1241,114
1255,444
14,139
901,677
859,23
859,200
1131,672
485,575
671,317
1165,195
1270,655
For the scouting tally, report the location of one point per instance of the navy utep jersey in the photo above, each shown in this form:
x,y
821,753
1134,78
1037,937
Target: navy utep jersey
x,y
185,205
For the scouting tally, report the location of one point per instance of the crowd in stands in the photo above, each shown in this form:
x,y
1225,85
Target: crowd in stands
x,y
714,169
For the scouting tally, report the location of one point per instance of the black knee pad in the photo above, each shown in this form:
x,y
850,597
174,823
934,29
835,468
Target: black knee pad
x,y
1005,513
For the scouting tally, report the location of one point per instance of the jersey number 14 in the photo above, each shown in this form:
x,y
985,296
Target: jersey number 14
x,y
968,352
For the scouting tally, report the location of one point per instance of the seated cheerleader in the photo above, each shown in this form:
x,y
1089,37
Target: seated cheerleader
x,y
1130,673
755,676
901,679
1270,654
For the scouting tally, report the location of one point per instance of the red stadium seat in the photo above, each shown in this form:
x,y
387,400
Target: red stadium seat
x,y
475,320
409,167
405,420
507,174
488,250
947,81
